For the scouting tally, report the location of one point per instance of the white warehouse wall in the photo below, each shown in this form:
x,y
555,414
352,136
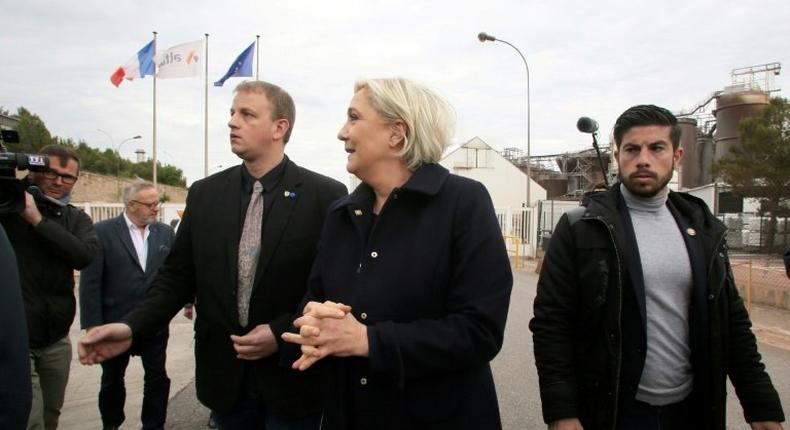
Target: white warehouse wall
x,y
505,182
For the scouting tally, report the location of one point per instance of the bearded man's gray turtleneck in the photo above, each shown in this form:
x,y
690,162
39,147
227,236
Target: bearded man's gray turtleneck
x,y
667,375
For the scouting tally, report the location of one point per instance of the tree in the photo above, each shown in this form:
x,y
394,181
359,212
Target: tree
x,y
33,134
166,174
760,167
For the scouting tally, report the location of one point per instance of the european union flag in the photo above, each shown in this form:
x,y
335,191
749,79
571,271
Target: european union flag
x,y
241,67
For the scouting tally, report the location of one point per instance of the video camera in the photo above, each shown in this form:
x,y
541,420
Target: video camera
x,y
12,190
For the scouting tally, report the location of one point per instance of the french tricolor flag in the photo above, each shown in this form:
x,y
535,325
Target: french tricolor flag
x,y
138,66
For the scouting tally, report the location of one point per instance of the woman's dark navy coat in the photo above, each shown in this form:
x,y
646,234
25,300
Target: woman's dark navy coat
x,y
430,277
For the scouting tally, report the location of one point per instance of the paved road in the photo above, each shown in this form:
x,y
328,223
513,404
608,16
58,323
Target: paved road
x,y
514,369
517,381
80,410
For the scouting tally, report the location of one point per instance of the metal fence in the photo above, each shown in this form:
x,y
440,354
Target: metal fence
x,y
516,223
761,279
745,232
550,211
549,214
518,229
749,233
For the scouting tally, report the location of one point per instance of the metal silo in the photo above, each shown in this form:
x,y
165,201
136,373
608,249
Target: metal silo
x,y
732,106
705,156
690,163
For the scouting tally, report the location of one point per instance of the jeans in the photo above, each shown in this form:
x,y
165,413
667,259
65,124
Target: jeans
x,y
156,388
49,374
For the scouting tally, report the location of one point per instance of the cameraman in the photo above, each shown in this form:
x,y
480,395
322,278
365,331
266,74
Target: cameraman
x,y
51,239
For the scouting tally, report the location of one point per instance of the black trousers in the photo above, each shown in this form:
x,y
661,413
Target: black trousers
x,y
156,385
643,416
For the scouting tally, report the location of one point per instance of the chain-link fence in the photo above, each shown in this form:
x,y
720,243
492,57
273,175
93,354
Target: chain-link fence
x,y
750,233
762,280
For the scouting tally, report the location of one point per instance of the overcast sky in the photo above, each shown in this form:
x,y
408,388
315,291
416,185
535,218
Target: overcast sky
x,y
593,58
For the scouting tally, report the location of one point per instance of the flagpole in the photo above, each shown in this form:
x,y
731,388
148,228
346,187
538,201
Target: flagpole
x,y
205,117
257,54
153,149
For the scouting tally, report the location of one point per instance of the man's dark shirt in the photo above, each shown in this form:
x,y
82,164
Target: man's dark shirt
x,y
269,181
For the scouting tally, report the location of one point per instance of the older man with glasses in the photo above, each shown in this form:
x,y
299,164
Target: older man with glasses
x,y
51,239
133,246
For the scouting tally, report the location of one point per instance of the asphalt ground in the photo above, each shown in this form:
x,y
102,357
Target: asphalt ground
x,y
514,371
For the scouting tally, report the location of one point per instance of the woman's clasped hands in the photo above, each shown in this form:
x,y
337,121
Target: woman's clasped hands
x,y
326,329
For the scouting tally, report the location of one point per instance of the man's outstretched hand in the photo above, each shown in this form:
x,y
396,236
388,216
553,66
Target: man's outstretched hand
x,y
103,342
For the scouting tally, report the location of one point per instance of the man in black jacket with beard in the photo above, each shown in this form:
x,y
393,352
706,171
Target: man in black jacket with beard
x,y
637,319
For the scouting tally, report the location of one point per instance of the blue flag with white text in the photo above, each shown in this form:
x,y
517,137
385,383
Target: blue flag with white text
x,y
241,67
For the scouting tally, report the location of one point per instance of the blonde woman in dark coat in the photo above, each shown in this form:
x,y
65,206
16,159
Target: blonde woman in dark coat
x,y
409,294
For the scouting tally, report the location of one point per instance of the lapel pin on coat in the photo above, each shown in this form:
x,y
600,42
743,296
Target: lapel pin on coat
x,y
289,194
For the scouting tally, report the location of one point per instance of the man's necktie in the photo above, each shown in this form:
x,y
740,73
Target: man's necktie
x,y
249,250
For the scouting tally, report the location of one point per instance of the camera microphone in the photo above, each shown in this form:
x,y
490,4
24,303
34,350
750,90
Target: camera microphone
x,y
587,125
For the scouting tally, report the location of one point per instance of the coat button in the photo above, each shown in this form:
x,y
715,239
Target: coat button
x,y
374,254
721,254
363,315
711,297
363,381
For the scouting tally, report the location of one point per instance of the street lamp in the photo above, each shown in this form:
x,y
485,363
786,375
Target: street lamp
x,y
118,156
118,152
118,165
112,141
484,37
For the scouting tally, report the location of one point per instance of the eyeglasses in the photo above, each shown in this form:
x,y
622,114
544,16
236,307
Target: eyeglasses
x,y
67,179
151,206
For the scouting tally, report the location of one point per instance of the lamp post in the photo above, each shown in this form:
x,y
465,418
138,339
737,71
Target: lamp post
x,y
118,156
118,152
112,141
484,37
118,165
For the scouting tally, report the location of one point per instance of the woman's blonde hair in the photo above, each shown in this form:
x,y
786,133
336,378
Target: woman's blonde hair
x,y
430,120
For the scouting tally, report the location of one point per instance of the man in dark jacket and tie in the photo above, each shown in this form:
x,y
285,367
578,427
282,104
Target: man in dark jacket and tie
x,y
133,246
244,250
